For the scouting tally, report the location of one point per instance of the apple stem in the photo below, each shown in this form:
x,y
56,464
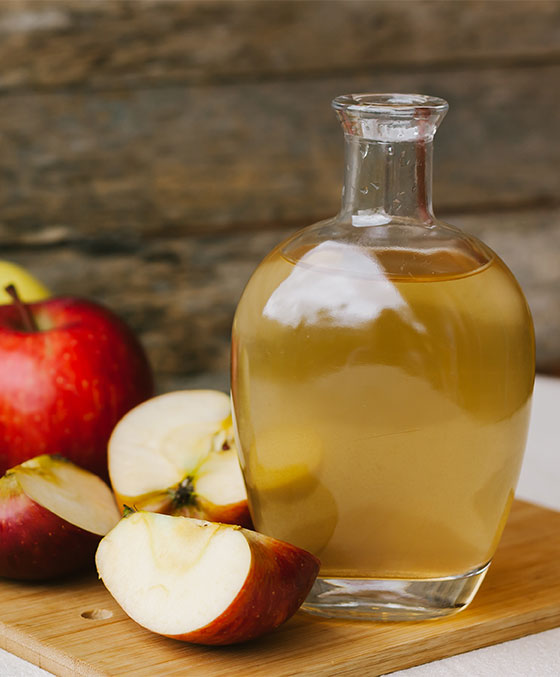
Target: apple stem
x,y
25,313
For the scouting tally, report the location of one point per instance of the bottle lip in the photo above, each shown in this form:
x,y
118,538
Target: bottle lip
x,y
390,104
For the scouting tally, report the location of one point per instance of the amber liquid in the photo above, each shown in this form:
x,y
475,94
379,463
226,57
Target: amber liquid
x,y
382,415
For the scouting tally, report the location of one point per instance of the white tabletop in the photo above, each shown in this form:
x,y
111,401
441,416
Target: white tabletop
x,y
537,655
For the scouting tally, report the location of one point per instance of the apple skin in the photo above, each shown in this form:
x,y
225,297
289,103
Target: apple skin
x,y
36,544
200,508
279,580
234,513
64,387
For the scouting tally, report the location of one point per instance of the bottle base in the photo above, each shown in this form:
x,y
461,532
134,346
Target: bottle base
x,y
393,599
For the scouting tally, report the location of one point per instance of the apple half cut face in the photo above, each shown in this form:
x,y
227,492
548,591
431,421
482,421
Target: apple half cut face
x,y
176,454
52,516
203,582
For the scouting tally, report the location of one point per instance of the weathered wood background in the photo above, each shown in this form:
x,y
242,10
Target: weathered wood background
x,y
151,152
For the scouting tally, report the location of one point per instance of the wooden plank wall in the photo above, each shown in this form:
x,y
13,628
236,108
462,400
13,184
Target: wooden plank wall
x,y
151,152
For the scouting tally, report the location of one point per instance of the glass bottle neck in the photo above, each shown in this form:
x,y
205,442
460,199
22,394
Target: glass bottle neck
x,y
387,181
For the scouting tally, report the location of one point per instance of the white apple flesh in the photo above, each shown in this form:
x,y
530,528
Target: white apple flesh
x,y
52,516
203,582
175,454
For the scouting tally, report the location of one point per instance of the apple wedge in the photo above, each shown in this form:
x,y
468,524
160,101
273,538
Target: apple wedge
x,y
52,516
203,582
175,454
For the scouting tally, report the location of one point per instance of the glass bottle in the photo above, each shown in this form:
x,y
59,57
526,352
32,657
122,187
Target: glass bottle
x,y
382,372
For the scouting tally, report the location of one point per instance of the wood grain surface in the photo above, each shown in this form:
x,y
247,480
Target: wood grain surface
x,y
207,115
77,43
216,157
151,152
76,628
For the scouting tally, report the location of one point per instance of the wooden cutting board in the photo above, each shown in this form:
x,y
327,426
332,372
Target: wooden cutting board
x,y
75,628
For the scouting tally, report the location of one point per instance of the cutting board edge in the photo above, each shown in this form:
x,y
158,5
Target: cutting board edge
x,y
48,658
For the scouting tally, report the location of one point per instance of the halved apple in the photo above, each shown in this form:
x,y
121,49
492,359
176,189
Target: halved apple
x,y
203,582
176,454
52,516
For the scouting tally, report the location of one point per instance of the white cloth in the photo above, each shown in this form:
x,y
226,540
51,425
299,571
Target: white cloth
x,y
532,656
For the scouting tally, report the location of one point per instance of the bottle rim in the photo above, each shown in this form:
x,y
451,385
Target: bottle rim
x,y
391,104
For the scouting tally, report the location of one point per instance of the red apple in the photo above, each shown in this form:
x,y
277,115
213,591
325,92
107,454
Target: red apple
x,y
203,582
69,370
52,516
176,454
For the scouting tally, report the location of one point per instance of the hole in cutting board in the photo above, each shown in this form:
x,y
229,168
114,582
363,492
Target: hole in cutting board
x,y
97,614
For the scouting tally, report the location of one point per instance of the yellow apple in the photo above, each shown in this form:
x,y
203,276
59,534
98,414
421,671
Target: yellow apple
x,y
29,289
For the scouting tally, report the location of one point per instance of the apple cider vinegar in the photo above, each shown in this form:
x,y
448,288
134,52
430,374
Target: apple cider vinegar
x,y
382,418
382,372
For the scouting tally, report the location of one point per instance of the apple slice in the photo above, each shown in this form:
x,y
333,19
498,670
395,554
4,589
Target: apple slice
x,y
52,516
176,454
203,582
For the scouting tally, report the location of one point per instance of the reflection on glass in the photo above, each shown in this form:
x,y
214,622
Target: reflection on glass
x,y
312,294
